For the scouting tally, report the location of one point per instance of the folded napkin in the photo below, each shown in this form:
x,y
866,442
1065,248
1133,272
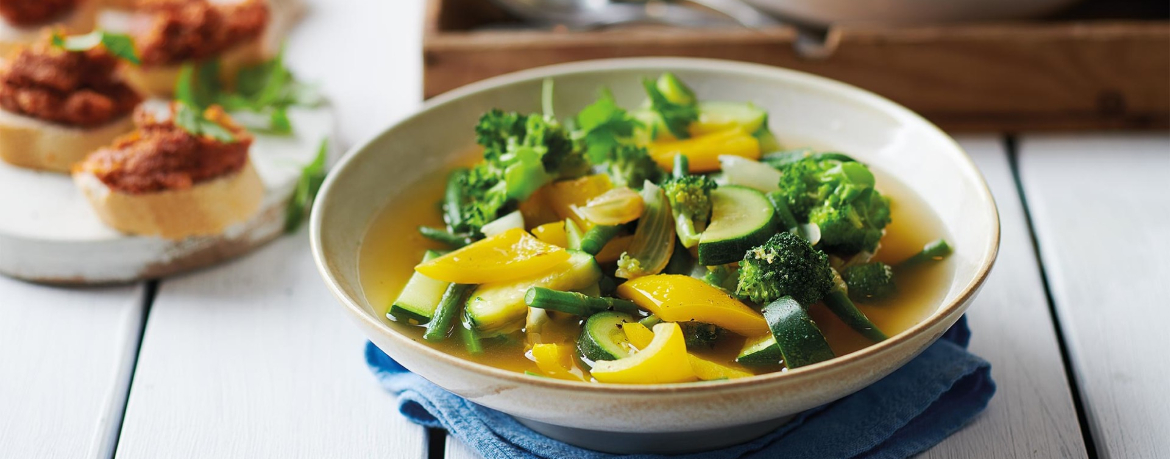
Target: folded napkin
x,y
904,413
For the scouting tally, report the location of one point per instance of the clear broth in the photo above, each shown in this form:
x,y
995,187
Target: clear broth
x,y
392,247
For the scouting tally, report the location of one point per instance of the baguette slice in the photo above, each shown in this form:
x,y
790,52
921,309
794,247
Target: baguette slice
x,y
205,209
159,81
81,20
37,144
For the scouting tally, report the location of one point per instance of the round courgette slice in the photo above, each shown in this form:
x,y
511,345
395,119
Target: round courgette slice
x,y
602,337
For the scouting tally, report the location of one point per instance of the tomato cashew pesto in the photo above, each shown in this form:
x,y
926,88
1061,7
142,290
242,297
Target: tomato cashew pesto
x,y
196,29
161,156
64,87
35,12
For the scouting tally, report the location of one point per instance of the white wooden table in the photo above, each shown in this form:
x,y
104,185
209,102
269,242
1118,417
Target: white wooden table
x,y
254,359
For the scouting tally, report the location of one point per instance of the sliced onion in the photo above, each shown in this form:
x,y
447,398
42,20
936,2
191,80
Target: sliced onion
x,y
809,231
738,170
505,223
614,207
653,241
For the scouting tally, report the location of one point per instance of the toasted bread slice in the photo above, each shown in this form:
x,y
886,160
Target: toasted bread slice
x,y
36,144
205,209
81,20
159,81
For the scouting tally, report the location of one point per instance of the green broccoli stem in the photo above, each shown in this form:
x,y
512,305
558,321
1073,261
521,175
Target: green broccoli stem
x,y
574,303
471,339
595,239
453,199
685,227
449,307
932,251
454,241
780,203
840,304
681,166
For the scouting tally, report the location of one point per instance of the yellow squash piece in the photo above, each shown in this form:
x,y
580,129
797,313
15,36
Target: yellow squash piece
x,y
556,361
679,298
552,233
562,196
512,254
663,361
710,371
703,152
535,209
637,334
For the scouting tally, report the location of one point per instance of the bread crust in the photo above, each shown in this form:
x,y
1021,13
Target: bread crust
x,y
159,81
80,20
205,209
36,144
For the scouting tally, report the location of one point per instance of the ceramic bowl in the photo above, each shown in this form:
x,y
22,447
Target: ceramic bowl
x,y
825,12
669,417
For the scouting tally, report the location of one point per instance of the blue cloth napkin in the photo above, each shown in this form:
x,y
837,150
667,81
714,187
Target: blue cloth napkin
x,y
904,413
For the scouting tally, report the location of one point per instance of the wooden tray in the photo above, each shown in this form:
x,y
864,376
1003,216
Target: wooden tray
x,y
1103,65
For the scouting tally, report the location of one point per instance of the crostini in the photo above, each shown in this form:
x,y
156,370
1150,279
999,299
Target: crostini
x,y
180,31
180,174
57,106
21,21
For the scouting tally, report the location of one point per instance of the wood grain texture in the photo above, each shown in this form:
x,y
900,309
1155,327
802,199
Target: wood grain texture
x,y
997,76
1100,207
1032,414
255,359
65,361
456,449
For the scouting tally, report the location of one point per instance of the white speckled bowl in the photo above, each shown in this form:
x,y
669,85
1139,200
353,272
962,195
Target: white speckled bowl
x,y
668,417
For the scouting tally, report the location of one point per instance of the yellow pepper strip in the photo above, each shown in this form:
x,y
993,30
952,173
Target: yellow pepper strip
x,y
512,254
703,152
679,298
552,233
562,196
555,361
637,334
663,361
535,209
614,249
710,371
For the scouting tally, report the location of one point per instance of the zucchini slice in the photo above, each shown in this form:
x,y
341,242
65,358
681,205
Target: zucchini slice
x,y
741,218
418,300
800,341
720,115
760,352
499,308
602,337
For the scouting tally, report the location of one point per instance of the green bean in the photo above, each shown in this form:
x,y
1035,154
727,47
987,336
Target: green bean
x,y
594,240
449,307
574,303
455,241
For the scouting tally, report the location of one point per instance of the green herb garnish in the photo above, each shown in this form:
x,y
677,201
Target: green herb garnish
x,y
120,45
603,125
311,178
191,119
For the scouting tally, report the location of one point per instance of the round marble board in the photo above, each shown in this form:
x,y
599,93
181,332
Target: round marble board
x,y
49,233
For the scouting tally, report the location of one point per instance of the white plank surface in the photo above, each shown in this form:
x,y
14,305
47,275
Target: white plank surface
x,y
256,359
1100,205
65,359
1032,414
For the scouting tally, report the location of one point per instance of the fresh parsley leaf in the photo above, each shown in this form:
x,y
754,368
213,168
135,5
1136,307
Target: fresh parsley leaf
x,y
120,45
604,126
677,117
306,191
191,119
198,85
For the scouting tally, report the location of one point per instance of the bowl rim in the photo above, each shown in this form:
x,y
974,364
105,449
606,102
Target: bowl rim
x,y
942,313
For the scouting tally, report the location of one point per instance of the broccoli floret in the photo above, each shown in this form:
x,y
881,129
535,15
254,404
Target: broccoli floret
x,y
690,205
870,281
632,166
839,197
698,335
674,102
786,265
852,222
520,154
630,265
